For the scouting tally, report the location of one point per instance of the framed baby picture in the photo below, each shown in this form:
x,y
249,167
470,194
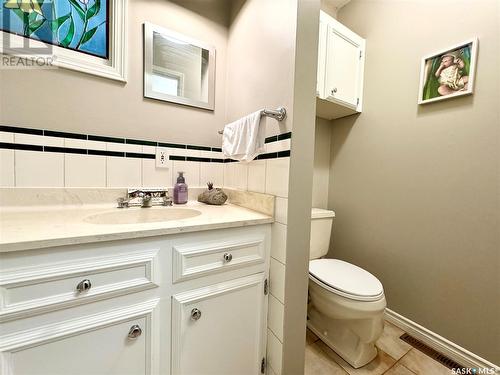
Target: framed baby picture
x,y
448,73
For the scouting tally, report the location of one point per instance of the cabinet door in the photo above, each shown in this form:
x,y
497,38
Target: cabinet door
x,y
320,79
118,342
220,329
343,76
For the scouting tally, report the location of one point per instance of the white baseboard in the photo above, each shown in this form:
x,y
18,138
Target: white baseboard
x,y
439,343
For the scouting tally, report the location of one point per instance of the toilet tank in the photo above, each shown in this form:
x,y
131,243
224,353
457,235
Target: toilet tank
x,y
321,229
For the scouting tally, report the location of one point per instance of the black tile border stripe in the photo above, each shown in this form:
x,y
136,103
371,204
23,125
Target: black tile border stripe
x,y
14,129
140,142
101,138
50,133
18,146
171,145
200,148
69,150
140,156
106,153
66,150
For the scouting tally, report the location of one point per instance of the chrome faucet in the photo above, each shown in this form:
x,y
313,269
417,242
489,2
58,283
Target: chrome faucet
x,y
145,198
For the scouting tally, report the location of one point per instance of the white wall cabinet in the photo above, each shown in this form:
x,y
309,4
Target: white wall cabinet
x,y
341,56
183,304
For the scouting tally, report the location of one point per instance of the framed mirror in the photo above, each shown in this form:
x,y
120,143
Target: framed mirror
x,y
178,69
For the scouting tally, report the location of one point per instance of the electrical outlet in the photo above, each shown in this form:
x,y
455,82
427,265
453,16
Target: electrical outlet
x,y
162,157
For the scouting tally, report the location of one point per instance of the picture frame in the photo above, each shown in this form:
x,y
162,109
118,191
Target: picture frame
x,y
448,73
112,66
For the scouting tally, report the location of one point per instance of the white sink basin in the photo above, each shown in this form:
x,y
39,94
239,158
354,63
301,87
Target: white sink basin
x,y
141,215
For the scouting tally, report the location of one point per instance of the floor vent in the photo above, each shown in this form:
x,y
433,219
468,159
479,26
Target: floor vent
x,y
427,350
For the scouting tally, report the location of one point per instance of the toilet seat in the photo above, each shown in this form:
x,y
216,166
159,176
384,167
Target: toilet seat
x,y
345,279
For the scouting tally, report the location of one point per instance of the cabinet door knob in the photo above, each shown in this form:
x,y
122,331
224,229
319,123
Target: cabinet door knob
x,y
84,285
227,257
134,332
195,314
334,90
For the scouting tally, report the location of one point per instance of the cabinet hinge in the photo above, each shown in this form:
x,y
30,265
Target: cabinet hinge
x,y
263,366
266,287
357,102
360,54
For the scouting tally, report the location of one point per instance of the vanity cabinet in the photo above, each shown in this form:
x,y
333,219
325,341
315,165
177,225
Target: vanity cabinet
x,y
341,56
191,303
218,329
114,343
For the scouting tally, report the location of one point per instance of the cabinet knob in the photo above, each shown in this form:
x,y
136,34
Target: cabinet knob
x,y
195,314
84,285
134,332
334,90
227,257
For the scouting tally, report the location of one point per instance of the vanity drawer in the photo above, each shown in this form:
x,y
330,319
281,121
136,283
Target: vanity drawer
x,y
33,290
204,258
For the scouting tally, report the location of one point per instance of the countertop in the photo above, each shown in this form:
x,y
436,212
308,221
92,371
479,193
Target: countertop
x,y
24,228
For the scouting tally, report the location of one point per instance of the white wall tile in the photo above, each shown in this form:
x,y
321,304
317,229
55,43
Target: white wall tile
x,y
84,170
278,146
274,352
149,149
281,210
39,140
278,242
236,175
123,172
7,168
82,143
39,169
123,147
270,371
277,177
257,176
183,152
7,137
275,317
277,280
191,171
213,172
156,177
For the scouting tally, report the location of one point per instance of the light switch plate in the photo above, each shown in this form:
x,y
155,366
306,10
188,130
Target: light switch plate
x,y
162,157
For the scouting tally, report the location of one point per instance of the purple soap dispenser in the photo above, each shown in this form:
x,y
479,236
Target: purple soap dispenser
x,y
180,190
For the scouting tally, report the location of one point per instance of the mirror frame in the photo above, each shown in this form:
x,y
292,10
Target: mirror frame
x,y
149,30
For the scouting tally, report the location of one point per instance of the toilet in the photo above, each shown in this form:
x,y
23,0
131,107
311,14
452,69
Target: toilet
x,y
346,303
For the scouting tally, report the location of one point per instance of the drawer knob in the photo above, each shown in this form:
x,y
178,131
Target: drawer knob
x,y
135,332
195,314
227,257
84,285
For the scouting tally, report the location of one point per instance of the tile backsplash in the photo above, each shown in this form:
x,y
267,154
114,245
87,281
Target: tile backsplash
x,y
42,158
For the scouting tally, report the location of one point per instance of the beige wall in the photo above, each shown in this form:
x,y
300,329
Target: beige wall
x,y
261,51
321,175
75,102
416,188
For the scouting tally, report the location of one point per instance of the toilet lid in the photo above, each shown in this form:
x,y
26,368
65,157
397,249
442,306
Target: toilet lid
x,y
345,277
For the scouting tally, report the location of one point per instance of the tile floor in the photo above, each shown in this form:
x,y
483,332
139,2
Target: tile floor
x,y
395,357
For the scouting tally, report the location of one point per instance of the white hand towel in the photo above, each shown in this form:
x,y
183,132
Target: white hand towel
x,y
244,139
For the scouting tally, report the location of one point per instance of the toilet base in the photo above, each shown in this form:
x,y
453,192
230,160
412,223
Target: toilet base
x,y
340,336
